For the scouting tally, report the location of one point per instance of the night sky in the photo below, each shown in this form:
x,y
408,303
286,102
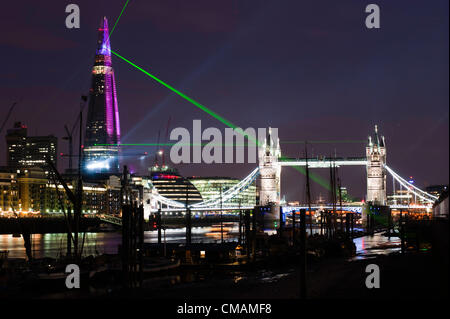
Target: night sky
x,y
310,68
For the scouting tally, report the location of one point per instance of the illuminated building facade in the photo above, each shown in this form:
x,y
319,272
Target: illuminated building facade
x,y
30,183
170,184
343,194
102,126
9,194
21,190
401,197
405,197
30,191
29,151
98,198
210,187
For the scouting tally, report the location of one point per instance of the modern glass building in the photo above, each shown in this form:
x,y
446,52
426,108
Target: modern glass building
x,y
100,152
210,187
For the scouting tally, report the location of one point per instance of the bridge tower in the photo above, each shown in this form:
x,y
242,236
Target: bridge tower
x,y
270,170
376,172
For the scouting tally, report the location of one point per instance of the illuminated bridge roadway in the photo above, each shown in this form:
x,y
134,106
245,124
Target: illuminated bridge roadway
x,y
226,202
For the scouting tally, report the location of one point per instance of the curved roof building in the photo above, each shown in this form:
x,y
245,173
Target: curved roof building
x,y
172,185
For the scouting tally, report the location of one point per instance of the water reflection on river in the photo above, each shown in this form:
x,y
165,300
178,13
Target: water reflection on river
x,y
53,245
378,244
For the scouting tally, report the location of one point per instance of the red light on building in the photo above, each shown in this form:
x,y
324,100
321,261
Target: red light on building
x,y
168,176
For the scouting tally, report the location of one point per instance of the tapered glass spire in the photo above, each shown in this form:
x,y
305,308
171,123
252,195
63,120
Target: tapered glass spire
x,y
103,125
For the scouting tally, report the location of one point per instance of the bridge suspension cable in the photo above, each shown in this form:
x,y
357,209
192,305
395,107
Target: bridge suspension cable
x,y
213,202
234,191
167,201
410,187
231,192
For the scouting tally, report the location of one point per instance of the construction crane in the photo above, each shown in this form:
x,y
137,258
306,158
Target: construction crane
x,y
157,150
7,117
165,143
70,132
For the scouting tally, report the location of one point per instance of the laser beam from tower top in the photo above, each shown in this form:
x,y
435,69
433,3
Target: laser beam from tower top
x,y
121,12
317,179
187,98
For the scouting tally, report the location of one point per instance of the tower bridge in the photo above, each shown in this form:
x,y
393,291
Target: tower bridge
x,y
271,163
324,162
100,151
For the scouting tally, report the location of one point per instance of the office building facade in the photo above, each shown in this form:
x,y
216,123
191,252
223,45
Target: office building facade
x,y
211,187
29,151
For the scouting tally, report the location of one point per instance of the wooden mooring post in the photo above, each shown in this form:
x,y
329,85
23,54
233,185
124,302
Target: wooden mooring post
x,y
293,228
132,245
303,253
402,231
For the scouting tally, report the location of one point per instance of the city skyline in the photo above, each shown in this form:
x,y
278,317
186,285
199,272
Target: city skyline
x,y
225,157
216,68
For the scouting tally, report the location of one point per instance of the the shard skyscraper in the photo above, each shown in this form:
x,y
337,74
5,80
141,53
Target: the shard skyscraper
x,y
101,153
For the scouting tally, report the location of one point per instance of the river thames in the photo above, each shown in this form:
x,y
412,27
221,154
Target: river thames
x,y
54,245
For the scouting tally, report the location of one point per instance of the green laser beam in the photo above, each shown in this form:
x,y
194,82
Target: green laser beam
x,y
184,96
172,144
319,180
187,98
314,177
123,9
281,142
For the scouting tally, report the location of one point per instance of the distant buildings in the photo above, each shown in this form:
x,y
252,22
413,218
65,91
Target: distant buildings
x,y
27,184
21,190
401,197
98,197
436,190
29,151
405,197
440,208
342,195
30,191
212,187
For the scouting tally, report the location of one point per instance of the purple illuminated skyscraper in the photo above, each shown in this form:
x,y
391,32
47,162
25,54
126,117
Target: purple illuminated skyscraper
x,y
101,153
